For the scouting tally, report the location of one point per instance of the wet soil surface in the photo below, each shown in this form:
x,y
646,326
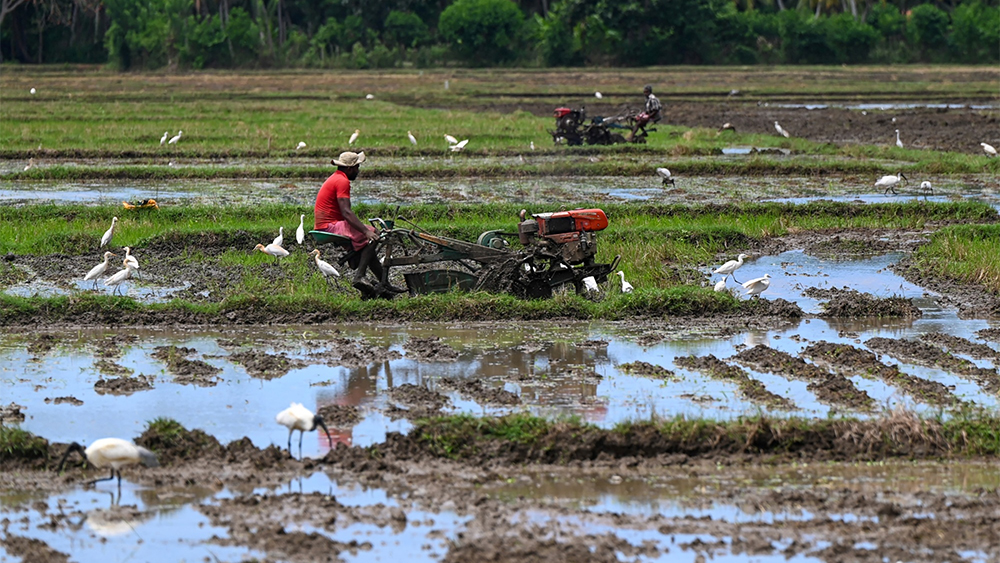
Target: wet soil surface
x,y
123,385
750,388
64,401
647,369
832,389
11,413
30,549
42,344
340,416
972,301
961,345
924,354
850,360
429,349
480,392
184,370
349,352
266,366
419,402
849,303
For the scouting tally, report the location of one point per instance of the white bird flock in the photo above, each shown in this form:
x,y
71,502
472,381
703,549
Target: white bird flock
x,y
757,286
111,452
730,267
297,417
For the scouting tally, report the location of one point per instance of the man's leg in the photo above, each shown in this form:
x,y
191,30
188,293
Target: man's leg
x,y
364,264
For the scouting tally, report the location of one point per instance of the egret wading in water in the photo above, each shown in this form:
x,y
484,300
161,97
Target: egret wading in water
x,y
720,286
131,260
665,174
111,452
781,130
626,287
988,149
757,286
297,417
898,142
280,239
300,233
413,140
729,268
99,269
889,182
324,267
354,136
110,233
272,250
926,187
119,277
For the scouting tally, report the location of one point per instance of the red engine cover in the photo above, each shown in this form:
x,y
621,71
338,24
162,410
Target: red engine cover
x,y
573,220
560,112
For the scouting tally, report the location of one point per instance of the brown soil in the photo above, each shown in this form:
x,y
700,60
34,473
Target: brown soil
x,y
648,370
340,416
64,401
961,345
750,388
849,360
830,388
479,392
11,414
349,352
420,402
838,247
123,385
973,301
849,303
185,371
266,366
42,344
30,549
429,350
991,334
931,356
108,367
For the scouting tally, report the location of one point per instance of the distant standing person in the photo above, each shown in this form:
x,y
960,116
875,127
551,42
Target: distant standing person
x,y
334,215
650,114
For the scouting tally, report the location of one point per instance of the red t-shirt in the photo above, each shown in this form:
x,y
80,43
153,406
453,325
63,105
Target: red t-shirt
x,y
327,210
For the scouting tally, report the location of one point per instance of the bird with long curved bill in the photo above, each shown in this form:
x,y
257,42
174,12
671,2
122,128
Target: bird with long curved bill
x,y
297,417
111,452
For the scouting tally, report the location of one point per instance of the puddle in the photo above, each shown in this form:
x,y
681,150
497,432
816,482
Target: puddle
x,y
886,106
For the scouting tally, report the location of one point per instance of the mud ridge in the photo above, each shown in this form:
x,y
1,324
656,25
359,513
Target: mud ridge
x,y
429,350
477,391
30,549
973,301
750,388
185,371
420,402
262,365
962,346
647,369
123,385
919,353
852,304
832,389
855,361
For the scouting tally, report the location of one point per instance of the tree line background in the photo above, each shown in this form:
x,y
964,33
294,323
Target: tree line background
x,y
358,34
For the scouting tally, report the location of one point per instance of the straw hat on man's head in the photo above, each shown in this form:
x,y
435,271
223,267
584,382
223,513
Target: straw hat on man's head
x,y
348,159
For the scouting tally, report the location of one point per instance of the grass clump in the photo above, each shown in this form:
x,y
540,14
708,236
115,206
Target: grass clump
x,y
18,444
964,253
172,442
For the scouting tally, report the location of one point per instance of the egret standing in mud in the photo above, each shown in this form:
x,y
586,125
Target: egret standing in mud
x,y
988,149
729,268
324,267
757,286
272,250
899,143
114,453
781,130
889,182
99,269
300,233
665,174
110,233
297,417
626,287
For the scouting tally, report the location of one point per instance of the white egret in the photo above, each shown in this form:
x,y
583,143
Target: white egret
x,y
31,162
781,130
111,452
110,233
729,268
370,96
300,146
988,149
889,182
532,145
451,140
727,126
598,95
665,174
131,260
324,267
32,91
163,139
280,239
898,142
757,286
297,417
459,145
926,186
272,250
720,286
590,283
99,269
300,233
626,287
173,140
117,279
354,136
413,140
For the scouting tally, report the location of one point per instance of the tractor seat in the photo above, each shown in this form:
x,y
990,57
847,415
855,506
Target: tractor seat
x,y
351,257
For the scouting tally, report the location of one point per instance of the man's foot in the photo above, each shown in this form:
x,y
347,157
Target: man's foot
x,y
389,288
367,291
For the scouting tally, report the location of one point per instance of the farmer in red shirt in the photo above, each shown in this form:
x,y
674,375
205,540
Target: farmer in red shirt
x,y
334,215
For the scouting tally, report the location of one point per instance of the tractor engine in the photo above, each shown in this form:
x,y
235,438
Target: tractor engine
x,y
566,234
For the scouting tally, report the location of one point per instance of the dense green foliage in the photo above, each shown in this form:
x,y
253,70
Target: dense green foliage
x,y
964,253
391,33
